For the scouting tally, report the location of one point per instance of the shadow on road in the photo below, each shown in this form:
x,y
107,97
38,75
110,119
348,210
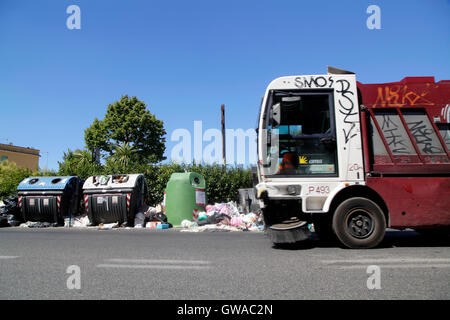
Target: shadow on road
x,y
392,239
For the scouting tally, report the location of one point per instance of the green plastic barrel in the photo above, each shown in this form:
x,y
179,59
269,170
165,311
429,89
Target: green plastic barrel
x,y
185,197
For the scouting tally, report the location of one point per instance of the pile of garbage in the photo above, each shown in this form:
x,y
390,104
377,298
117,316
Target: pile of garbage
x,y
218,217
146,217
151,218
224,217
37,224
10,215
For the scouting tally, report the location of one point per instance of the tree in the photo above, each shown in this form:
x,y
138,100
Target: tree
x,y
79,163
128,122
124,154
10,177
124,160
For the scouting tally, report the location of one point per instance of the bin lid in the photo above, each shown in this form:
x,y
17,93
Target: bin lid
x,y
45,183
195,179
115,181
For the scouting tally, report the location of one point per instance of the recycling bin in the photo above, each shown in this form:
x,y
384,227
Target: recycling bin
x,y
114,198
185,197
49,199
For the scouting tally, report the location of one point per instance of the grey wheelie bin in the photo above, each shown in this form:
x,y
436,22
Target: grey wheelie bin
x,y
114,198
49,199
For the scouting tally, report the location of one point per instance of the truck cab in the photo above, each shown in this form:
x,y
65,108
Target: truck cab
x,y
329,153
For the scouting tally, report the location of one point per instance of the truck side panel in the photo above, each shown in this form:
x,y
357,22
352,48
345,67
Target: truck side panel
x,y
414,202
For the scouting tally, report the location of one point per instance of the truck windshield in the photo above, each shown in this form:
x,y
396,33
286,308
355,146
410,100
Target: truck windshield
x,y
301,133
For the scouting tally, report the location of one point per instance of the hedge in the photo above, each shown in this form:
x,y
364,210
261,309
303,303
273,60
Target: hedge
x,y
222,183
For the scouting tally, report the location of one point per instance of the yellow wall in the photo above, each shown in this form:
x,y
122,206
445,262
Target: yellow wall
x,y
24,159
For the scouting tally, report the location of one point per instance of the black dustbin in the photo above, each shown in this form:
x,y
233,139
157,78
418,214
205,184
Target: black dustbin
x,y
114,198
49,199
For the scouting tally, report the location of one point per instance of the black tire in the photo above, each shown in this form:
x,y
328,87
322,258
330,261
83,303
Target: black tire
x,y
359,223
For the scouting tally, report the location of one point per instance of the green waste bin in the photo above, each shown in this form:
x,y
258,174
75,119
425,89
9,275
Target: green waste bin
x,y
184,197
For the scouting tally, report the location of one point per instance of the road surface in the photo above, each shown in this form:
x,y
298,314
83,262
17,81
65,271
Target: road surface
x,y
61,263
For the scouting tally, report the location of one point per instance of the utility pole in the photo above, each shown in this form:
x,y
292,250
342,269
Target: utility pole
x,y
222,108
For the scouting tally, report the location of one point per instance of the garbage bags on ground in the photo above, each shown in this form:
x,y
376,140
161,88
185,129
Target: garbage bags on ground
x,y
10,215
224,217
77,222
37,224
146,215
217,217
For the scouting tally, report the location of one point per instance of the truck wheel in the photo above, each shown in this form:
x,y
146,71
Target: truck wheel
x,y
359,223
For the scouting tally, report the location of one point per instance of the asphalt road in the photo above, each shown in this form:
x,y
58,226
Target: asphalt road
x,y
169,264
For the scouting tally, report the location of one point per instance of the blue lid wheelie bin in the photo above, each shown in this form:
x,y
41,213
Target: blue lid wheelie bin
x,y
49,199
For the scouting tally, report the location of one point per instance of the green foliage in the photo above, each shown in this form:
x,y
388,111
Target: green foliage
x,y
222,184
11,175
124,158
128,122
79,163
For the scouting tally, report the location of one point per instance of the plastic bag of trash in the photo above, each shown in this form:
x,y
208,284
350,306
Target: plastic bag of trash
x,y
188,224
139,220
3,221
249,218
236,221
232,209
157,216
12,220
11,207
77,222
37,224
108,226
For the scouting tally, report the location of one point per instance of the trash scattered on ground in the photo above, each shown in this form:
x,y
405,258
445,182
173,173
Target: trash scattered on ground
x,y
224,217
150,217
37,224
77,222
220,217
108,226
212,228
4,222
139,220
10,215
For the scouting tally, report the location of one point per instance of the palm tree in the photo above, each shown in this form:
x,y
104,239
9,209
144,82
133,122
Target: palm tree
x,y
83,157
124,154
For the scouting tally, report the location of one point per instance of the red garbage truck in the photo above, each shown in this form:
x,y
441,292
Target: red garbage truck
x,y
353,159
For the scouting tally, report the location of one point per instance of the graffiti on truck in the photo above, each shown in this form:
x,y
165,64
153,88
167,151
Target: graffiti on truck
x,y
345,99
394,136
423,136
401,95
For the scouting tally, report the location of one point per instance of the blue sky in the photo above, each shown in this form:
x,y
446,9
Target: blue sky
x,y
186,58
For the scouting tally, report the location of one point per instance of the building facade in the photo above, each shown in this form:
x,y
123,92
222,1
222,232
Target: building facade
x,y
23,157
